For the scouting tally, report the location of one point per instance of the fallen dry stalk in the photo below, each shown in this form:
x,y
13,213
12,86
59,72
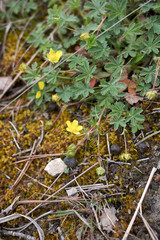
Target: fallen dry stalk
x,y
140,202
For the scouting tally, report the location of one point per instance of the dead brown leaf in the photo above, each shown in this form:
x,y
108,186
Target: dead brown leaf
x,y
4,82
131,99
108,219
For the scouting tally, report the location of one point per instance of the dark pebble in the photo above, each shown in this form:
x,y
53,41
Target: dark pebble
x,y
115,149
70,162
142,147
53,107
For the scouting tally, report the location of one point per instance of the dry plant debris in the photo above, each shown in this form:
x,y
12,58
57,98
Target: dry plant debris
x,y
95,88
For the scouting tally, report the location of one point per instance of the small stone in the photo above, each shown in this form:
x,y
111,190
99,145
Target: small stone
x,y
157,178
70,162
55,167
72,191
53,107
142,147
115,149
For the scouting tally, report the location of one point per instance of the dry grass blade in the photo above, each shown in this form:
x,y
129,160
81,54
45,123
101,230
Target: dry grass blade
x,y
26,166
14,216
150,230
139,204
16,234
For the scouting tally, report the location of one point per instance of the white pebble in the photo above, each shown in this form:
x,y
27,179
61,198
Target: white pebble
x,y
55,167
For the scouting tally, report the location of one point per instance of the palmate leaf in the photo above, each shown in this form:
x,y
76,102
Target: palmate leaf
x,y
100,51
112,87
115,65
117,109
104,100
86,71
96,7
64,93
32,73
76,60
52,74
153,23
96,112
149,74
118,122
81,89
153,44
73,4
117,9
143,87
133,29
135,118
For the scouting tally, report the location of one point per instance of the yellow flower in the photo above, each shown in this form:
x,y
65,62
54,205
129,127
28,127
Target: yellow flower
x,y
41,85
84,36
73,127
54,56
55,97
38,94
23,67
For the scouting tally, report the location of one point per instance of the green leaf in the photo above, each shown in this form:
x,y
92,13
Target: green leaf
x,y
104,100
32,73
133,29
83,90
100,51
53,14
65,93
117,109
100,171
96,112
86,71
76,60
90,42
96,8
52,74
39,101
115,66
73,4
112,87
143,87
153,44
149,74
135,118
118,122
47,97
153,23
117,9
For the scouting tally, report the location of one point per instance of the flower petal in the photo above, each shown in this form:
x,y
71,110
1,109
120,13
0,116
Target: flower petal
x,y
38,94
79,128
68,124
59,53
75,123
68,129
76,132
41,85
51,52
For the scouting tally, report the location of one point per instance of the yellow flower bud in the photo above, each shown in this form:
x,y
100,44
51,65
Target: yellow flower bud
x,y
85,36
151,94
23,67
55,97
38,94
41,85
